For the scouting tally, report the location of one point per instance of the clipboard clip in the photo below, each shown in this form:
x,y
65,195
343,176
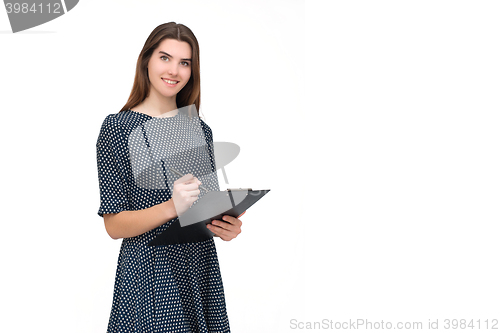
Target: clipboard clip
x,y
249,191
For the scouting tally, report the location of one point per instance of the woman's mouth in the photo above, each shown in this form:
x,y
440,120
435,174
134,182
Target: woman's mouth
x,y
170,83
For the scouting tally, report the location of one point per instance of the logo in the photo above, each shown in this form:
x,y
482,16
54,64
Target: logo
x,y
26,14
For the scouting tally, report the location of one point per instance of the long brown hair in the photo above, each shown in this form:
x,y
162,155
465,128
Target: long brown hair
x,y
188,95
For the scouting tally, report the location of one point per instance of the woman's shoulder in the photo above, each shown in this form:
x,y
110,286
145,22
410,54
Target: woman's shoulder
x,y
116,126
121,120
206,128
122,116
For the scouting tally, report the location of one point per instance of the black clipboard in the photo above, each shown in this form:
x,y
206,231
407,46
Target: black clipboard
x,y
191,226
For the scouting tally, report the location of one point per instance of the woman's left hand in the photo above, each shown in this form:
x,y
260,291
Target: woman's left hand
x,y
227,229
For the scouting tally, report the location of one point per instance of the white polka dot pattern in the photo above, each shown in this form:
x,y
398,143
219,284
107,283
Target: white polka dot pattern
x,y
172,288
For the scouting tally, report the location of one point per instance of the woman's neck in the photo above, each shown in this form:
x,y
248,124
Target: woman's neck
x,y
155,105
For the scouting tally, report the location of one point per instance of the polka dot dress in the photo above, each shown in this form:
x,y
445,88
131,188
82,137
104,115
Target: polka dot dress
x,y
171,288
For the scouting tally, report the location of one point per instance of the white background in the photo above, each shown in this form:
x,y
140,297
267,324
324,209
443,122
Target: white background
x,y
374,124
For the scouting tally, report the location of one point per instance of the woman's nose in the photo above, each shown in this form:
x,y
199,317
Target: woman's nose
x,y
172,70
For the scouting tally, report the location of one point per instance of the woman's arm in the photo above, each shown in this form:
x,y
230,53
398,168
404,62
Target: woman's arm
x,y
131,223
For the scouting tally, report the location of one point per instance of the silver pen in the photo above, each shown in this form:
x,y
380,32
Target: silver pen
x,y
181,175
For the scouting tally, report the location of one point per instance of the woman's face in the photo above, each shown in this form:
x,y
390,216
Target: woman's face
x,y
169,68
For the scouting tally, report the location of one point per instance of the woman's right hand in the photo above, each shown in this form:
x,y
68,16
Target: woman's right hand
x,y
185,193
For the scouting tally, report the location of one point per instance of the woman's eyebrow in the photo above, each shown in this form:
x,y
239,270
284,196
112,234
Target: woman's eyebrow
x,y
172,57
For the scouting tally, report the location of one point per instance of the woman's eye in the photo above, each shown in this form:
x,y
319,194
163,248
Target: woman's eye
x,y
185,63
164,57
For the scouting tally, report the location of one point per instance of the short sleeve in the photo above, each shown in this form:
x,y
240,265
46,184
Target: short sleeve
x,y
112,182
210,143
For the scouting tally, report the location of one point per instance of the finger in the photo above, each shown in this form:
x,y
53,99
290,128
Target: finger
x,y
185,178
193,193
228,228
194,180
188,187
222,225
222,233
232,220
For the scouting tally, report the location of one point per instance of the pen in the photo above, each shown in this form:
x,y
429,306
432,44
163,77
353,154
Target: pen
x,y
181,175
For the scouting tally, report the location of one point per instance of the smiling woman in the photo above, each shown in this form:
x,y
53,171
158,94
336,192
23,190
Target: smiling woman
x,y
169,72
172,288
170,53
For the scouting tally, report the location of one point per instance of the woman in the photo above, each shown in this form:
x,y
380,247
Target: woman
x,y
171,288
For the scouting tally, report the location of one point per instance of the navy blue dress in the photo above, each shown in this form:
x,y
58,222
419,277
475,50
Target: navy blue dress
x,y
172,288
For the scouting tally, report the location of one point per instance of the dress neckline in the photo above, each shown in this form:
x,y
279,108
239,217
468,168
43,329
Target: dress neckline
x,y
147,115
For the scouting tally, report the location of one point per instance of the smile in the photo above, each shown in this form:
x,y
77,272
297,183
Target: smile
x,y
170,82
